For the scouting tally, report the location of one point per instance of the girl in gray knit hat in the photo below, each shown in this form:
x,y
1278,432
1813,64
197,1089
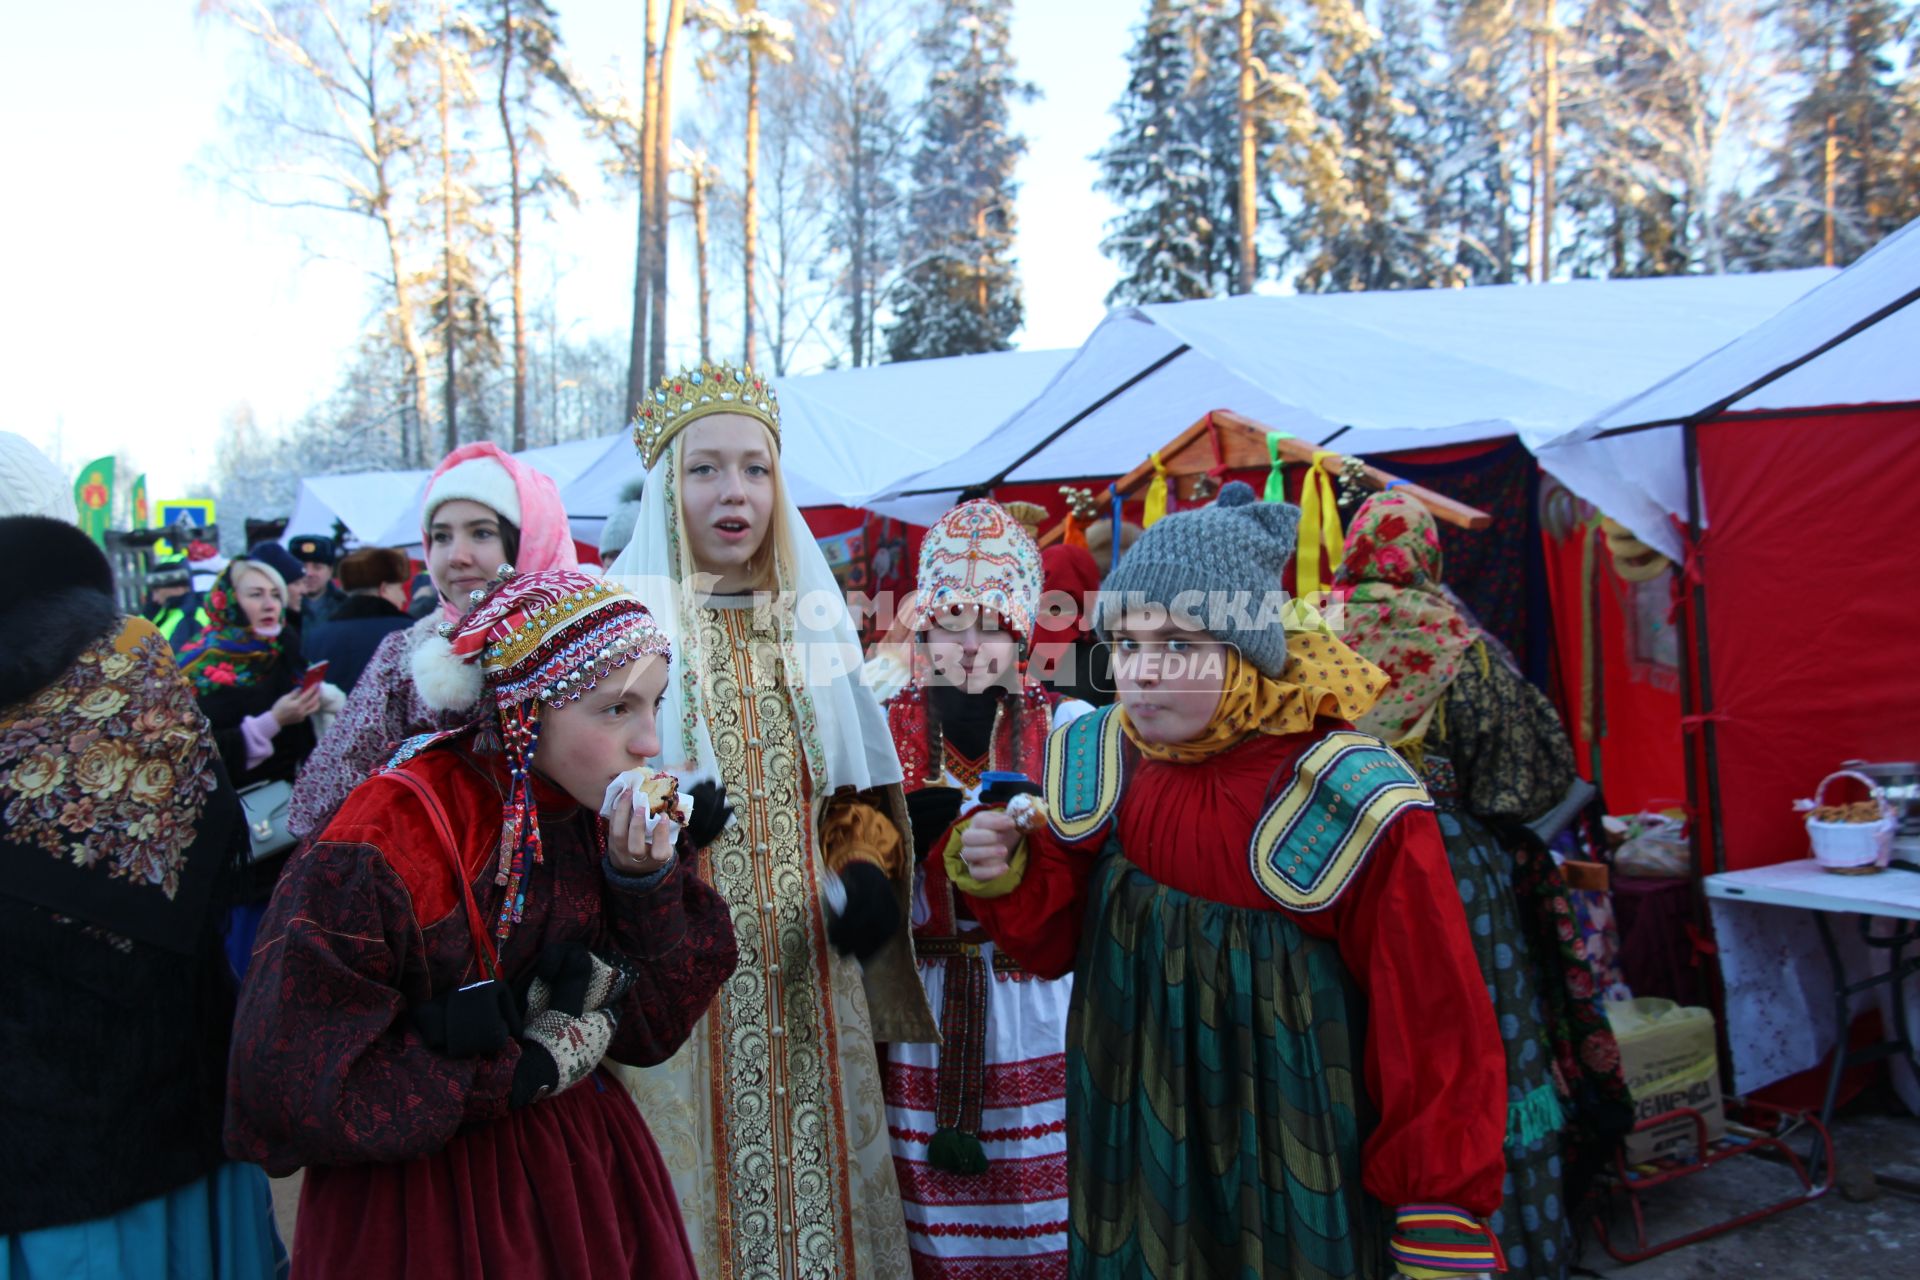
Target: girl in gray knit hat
x,y
1232,873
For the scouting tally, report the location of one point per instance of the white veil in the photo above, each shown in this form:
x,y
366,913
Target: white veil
x,y
839,723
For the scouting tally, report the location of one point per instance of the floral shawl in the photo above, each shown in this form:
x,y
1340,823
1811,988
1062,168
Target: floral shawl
x,y
1399,615
108,782
227,655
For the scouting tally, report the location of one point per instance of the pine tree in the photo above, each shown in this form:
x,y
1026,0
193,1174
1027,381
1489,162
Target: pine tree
x,y
1380,236
1478,137
958,293
1302,52
1845,174
1169,238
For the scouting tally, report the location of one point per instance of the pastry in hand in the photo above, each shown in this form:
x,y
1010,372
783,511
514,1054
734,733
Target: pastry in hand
x,y
657,791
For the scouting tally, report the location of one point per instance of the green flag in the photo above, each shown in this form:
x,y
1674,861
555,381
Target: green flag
x,y
141,510
93,498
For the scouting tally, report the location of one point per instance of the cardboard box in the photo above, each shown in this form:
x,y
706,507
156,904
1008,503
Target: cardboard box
x,y
1670,1060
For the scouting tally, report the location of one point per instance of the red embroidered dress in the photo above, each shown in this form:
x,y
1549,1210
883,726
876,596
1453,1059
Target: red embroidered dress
x,y
415,1164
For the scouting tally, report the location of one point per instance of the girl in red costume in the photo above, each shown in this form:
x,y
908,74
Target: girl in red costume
x,y
442,972
1281,1058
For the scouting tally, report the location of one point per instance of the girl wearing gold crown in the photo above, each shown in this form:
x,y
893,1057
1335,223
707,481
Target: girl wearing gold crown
x,y
771,1117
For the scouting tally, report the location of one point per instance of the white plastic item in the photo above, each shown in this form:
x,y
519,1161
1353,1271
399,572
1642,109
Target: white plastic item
x,y
1657,847
1854,847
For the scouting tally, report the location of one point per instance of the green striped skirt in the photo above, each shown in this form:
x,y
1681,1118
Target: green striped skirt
x,y
1215,1096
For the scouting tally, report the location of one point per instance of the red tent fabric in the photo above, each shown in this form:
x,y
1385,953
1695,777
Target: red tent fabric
x,y
1812,611
1633,752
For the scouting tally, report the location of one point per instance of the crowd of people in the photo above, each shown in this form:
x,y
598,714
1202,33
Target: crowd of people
x,y
634,921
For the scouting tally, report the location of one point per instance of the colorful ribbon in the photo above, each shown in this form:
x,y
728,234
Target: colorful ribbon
x,y
1319,525
1156,508
1276,468
1119,509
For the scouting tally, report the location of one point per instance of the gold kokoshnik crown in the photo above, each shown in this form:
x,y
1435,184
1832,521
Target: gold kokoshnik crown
x,y
692,394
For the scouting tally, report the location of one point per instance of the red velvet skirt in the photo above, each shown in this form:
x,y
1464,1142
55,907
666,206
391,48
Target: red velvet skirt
x,y
569,1187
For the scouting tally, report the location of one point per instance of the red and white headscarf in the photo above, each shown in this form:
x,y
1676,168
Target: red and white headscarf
x,y
978,555
542,640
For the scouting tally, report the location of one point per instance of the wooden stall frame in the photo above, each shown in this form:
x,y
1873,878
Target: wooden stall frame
x,y
1225,440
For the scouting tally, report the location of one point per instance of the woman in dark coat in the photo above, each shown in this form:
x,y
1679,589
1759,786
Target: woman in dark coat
x,y
377,582
246,669
116,836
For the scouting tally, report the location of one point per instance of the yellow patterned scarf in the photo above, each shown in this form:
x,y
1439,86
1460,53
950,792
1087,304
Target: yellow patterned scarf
x,y
1323,677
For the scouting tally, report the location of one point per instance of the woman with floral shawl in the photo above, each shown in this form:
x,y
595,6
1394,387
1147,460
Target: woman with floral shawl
x,y
1492,752
117,833
246,669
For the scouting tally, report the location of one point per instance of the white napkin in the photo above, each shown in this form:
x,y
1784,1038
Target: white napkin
x,y
629,783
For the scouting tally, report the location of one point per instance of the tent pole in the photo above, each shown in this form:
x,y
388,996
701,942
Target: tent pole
x,y
1598,725
1085,413
1704,694
1712,979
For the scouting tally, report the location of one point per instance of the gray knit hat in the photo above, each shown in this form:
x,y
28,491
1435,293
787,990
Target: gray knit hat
x,y
1220,565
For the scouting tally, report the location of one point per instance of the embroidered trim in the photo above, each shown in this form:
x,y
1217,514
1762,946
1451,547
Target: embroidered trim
x,y
411,747
1443,1238
1314,838
1083,776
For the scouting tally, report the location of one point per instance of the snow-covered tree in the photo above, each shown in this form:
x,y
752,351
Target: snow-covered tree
x,y
324,119
860,53
1478,118
1380,236
1172,238
958,291
1300,54
1662,95
522,46
1847,170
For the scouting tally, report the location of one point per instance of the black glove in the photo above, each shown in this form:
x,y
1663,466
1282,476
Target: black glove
x,y
931,810
557,980
872,914
559,1052
470,1021
711,813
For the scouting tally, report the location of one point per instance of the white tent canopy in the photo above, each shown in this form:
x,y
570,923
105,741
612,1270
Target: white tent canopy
x,y
382,508
845,437
851,434
1855,340
1382,371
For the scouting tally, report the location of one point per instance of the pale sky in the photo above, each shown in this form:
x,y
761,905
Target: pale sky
x,y
142,302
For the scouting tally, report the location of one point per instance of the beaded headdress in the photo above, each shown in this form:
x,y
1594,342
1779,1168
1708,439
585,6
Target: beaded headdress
x,y
545,639
979,555
692,394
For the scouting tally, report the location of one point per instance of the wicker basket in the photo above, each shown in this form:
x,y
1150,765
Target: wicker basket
x,y
1851,848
